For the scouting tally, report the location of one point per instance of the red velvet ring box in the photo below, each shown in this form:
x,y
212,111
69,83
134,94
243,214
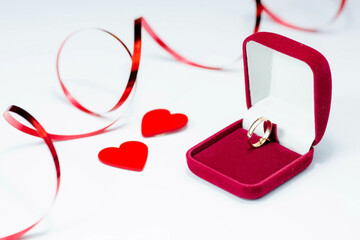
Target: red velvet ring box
x,y
290,84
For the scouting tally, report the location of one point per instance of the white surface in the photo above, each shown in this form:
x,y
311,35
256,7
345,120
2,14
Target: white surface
x,y
166,201
281,89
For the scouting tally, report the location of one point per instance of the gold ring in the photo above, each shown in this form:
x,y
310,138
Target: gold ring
x,y
267,132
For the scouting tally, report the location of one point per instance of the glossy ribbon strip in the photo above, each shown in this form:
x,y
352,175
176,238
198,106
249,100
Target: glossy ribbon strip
x,y
138,24
129,87
40,132
174,54
142,23
289,25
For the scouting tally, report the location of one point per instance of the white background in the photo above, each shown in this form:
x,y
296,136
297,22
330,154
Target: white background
x,y
165,201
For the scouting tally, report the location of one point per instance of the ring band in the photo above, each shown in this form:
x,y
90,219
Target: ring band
x,y
267,132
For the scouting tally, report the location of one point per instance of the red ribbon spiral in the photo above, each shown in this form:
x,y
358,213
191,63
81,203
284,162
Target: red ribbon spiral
x,y
39,131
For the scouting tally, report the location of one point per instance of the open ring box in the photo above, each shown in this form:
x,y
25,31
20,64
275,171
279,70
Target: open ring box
x,y
290,84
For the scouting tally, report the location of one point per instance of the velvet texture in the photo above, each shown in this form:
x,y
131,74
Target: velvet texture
x,y
226,160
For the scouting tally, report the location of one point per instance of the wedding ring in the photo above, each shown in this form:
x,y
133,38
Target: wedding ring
x,y
267,132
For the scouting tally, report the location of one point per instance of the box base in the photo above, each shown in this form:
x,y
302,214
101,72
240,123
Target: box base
x,y
226,160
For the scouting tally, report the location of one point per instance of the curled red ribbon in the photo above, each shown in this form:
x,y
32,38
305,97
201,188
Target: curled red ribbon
x,y
138,24
281,21
129,87
39,131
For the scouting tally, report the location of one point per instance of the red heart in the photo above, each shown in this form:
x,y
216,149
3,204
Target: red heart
x,y
161,121
130,155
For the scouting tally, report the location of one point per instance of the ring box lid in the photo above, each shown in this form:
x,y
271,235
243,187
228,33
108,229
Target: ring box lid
x,y
289,83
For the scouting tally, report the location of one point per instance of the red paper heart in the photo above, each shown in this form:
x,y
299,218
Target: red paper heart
x,y
161,121
130,155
